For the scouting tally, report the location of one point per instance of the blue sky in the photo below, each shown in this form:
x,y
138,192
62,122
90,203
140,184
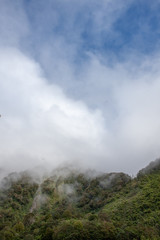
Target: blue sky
x,y
93,27
89,72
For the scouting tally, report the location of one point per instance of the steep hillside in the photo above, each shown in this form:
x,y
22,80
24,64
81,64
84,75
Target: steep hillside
x,y
135,210
80,206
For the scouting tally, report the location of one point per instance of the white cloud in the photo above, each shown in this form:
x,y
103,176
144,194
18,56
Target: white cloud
x,y
40,124
38,120
106,117
128,95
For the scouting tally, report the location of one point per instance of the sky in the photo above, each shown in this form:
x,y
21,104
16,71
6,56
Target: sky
x,y
79,84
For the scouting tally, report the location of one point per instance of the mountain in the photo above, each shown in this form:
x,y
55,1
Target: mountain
x,y
70,204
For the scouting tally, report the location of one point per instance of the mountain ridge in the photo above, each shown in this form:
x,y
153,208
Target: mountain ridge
x,y
77,206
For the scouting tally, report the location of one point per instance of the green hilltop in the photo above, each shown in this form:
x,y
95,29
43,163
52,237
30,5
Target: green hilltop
x,y
72,205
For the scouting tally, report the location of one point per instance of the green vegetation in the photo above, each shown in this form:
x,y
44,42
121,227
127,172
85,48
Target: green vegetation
x,y
78,207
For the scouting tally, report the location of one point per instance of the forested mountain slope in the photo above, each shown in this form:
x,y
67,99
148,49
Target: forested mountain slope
x,y
81,206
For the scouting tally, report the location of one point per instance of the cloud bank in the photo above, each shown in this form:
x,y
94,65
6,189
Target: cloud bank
x,y
65,97
38,121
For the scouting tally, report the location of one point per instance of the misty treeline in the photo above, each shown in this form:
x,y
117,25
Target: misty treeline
x,y
74,205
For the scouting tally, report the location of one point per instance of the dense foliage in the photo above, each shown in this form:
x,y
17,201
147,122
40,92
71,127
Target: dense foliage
x,y
76,206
